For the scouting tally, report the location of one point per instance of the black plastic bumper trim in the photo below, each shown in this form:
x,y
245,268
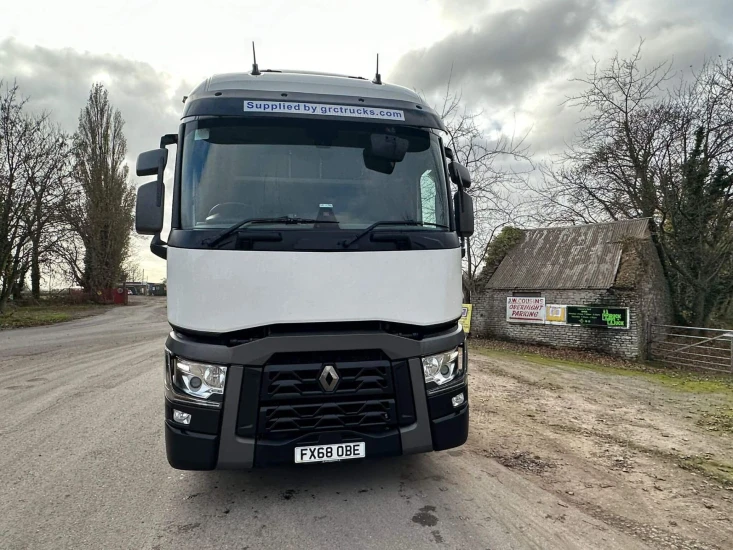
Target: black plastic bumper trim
x,y
235,452
231,450
450,431
403,393
190,450
203,420
258,352
416,437
441,405
248,402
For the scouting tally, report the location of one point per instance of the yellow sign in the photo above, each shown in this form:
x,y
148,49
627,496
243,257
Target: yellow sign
x,y
556,314
466,318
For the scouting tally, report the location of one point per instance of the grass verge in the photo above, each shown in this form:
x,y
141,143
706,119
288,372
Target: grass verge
x,y
694,382
34,316
719,471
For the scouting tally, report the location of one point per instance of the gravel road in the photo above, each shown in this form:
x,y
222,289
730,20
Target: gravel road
x,y
83,466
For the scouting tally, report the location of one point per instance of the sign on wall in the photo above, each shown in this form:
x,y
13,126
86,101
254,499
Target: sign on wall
x,y
604,317
465,319
556,314
521,309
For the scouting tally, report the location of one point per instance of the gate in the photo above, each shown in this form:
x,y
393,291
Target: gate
x,y
704,348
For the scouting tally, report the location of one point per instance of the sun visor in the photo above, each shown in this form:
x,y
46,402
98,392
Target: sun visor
x,y
312,106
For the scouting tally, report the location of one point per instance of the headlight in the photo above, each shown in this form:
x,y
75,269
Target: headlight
x,y
198,379
443,367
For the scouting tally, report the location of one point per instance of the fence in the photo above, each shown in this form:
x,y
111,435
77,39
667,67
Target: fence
x,y
705,348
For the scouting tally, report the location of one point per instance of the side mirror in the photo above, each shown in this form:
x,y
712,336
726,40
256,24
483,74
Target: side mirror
x,y
459,174
149,208
151,195
463,206
152,163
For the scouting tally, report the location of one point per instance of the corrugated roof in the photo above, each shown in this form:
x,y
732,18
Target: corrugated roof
x,y
575,257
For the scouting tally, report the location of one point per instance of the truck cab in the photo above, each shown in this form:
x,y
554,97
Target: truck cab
x,y
313,273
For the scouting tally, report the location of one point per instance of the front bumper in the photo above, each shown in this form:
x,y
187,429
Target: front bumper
x,y
231,437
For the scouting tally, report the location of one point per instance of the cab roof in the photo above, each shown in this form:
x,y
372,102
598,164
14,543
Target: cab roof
x,y
210,96
307,82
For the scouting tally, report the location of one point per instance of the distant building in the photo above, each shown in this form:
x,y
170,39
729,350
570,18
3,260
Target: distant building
x,y
136,288
596,287
157,289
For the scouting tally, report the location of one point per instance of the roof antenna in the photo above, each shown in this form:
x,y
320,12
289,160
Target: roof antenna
x,y
255,68
377,77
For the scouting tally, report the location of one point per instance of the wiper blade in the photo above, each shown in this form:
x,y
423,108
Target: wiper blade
x,y
288,220
347,244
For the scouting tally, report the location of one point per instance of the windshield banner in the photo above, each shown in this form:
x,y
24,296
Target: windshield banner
x,y
320,109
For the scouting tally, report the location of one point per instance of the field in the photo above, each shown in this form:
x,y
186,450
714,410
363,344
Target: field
x,y
645,451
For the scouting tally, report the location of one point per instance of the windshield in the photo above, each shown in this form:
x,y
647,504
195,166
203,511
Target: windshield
x,y
235,170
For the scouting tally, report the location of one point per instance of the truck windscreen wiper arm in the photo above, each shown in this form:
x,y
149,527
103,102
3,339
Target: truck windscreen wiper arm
x,y
347,244
213,241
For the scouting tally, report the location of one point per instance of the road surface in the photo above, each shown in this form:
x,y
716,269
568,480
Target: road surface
x,y
83,466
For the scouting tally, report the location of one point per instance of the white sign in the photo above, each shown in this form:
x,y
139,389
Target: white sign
x,y
321,109
521,309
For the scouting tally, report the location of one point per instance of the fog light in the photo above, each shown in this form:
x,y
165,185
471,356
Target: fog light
x,y
458,400
185,418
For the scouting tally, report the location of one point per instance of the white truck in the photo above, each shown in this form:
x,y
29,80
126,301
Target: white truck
x,y
314,272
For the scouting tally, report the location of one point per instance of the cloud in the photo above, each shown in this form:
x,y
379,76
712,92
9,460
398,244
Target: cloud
x,y
683,43
519,64
58,80
459,11
504,54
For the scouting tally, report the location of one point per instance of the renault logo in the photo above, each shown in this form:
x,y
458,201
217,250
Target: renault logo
x,y
329,378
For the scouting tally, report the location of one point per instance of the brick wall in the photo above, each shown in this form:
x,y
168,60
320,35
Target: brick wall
x,y
489,319
655,299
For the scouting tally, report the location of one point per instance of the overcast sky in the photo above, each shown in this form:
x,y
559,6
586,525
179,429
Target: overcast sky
x,y
513,63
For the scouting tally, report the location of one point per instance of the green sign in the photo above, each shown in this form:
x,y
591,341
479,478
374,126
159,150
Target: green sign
x,y
593,316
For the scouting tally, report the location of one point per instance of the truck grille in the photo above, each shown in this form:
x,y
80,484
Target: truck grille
x,y
369,415
286,382
293,401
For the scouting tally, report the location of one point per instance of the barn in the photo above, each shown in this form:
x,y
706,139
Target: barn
x,y
593,287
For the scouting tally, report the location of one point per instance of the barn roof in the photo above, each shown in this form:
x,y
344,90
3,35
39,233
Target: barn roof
x,y
575,257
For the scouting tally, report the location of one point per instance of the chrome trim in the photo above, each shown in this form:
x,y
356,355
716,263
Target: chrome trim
x,y
323,378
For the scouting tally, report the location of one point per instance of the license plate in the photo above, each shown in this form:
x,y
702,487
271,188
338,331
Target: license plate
x,y
330,453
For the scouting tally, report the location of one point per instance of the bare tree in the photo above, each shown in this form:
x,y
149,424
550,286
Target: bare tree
x,y
496,165
649,149
101,214
17,130
49,170
605,171
132,270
